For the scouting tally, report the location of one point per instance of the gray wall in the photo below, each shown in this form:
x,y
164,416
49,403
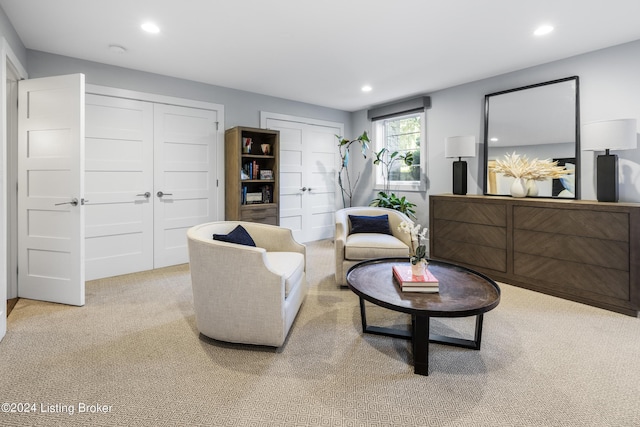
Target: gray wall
x,y
609,89
9,33
241,108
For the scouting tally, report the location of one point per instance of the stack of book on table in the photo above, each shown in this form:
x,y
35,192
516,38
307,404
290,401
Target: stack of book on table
x,y
410,283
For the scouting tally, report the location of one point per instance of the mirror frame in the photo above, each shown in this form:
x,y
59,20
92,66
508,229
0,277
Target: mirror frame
x,y
487,98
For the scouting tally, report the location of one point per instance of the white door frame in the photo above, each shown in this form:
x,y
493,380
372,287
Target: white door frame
x,y
182,102
7,58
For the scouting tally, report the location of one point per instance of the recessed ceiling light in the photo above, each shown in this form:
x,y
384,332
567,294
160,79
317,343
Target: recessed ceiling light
x,y
542,30
366,88
150,27
494,139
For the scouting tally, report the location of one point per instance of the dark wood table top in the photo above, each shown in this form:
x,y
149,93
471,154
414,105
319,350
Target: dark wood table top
x,y
462,291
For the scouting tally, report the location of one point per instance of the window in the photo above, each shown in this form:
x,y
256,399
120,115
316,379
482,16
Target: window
x,y
401,137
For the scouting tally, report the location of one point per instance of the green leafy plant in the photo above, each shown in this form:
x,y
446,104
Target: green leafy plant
x,y
385,198
344,180
401,204
387,158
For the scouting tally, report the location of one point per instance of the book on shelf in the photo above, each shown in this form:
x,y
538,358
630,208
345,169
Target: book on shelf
x,y
410,283
251,170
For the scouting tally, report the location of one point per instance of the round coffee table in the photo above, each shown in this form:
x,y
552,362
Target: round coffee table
x,y
462,293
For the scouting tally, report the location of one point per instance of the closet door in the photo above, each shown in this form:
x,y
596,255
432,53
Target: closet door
x,y
307,178
321,172
185,141
118,184
292,209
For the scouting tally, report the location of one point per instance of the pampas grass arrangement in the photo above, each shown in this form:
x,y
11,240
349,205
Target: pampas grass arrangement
x,y
517,166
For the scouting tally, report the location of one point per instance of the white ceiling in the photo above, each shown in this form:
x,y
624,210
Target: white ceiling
x,y
323,52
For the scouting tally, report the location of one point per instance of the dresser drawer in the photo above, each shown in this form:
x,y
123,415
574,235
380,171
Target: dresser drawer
x,y
473,213
256,213
585,223
469,254
585,250
571,277
477,234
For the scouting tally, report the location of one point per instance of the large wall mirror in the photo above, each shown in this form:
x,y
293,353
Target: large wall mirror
x,y
539,121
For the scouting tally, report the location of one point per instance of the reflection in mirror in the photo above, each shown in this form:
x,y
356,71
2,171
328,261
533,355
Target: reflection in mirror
x,y
537,122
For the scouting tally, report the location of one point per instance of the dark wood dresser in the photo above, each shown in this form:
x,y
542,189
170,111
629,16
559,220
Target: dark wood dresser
x,y
584,251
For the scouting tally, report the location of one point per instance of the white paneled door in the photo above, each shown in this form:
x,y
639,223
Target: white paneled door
x,y
307,177
150,175
185,146
292,210
321,143
119,186
50,190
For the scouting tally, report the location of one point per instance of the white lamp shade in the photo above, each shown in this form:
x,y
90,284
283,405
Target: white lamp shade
x,y
603,135
460,146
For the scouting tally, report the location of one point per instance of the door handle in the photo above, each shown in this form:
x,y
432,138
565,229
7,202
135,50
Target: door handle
x,y
160,194
146,194
303,189
73,202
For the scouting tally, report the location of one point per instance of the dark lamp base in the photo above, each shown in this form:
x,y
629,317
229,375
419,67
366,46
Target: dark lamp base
x,y
607,178
460,177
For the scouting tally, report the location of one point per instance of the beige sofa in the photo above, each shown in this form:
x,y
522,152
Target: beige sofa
x,y
246,294
353,248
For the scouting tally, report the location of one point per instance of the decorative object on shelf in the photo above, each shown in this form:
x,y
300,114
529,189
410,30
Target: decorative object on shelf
x,y
519,188
266,149
344,180
532,188
266,174
418,250
254,198
246,145
608,135
460,146
267,194
524,170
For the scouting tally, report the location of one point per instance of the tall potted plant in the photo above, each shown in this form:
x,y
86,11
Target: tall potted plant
x,y
344,180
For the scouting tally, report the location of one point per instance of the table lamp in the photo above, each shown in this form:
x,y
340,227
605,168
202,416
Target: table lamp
x,y
608,135
460,146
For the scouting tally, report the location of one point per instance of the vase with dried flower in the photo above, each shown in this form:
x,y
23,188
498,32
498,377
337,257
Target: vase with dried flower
x,y
526,172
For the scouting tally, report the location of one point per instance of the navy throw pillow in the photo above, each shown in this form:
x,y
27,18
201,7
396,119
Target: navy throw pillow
x,y
370,224
238,235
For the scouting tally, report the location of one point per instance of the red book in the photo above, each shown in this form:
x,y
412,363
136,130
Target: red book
x,y
408,282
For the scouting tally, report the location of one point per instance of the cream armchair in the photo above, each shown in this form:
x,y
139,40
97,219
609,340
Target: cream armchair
x,y
246,294
352,248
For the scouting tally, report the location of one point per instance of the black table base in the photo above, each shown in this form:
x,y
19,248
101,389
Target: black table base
x,y
420,328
